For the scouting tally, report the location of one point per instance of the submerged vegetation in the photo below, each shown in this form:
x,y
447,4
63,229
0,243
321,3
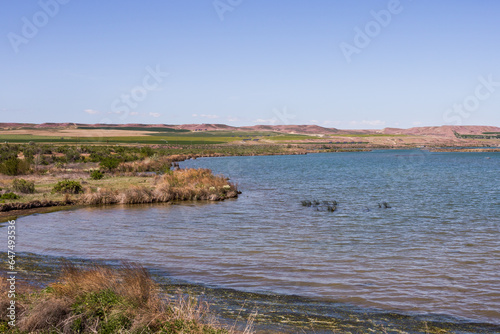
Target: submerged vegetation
x,y
329,206
100,299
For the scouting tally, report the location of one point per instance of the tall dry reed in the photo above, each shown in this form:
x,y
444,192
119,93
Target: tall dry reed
x,y
101,299
182,184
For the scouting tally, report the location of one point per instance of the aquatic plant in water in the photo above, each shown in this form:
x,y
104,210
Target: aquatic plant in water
x,y
329,206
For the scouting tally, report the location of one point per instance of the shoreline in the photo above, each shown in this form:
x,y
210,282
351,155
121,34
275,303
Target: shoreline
x,y
15,214
233,298
40,206
278,313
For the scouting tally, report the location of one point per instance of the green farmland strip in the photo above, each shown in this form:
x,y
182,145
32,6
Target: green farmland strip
x,y
133,128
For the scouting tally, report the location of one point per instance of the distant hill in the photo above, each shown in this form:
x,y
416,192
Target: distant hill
x,y
434,131
299,129
445,130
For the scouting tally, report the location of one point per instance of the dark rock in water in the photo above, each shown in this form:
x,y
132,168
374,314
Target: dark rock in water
x,y
329,206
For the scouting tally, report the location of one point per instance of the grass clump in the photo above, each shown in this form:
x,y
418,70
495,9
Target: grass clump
x,y
153,163
105,300
192,184
23,186
182,184
68,187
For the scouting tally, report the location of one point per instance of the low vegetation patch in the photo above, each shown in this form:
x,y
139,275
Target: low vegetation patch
x,y
106,300
14,166
153,163
68,187
23,186
96,174
182,184
9,196
192,184
109,163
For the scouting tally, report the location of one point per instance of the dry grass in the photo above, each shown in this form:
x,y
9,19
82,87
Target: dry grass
x,y
106,300
151,164
182,184
101,196
189,184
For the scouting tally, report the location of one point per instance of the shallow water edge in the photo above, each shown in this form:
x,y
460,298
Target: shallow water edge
x,y
275,312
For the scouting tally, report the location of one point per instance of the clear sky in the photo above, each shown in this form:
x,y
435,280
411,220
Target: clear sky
x,y
335,63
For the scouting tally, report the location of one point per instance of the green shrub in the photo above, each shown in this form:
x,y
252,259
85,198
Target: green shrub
x,y
68,187
72,156
96,174
10,196
23,186
147,151
109,163
14,166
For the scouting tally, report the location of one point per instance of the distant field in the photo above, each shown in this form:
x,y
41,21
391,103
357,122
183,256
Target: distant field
x,y
131,128
367,135
132,135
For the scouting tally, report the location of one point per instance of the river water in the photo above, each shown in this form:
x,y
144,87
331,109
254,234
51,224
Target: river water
x,y
434,250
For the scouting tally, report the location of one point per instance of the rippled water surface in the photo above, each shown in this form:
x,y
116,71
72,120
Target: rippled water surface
x,y
436,250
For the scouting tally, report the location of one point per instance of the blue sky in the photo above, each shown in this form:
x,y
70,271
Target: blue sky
x,y
343,64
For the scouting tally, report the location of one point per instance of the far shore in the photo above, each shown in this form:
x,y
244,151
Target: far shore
x,y
44,201
143,175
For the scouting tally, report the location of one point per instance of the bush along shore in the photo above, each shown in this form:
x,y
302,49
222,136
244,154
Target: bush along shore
x,y
180,184
103,300
152,179
38,177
